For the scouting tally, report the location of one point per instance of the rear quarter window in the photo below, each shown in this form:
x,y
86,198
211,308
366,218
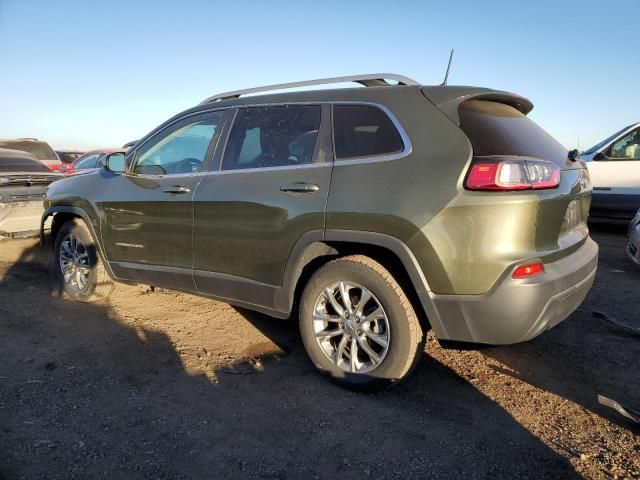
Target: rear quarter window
x,y
364,131
498,129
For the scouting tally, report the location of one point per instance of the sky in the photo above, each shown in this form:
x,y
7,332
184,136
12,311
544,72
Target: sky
x,y
82,74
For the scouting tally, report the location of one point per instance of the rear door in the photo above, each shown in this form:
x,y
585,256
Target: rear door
x,y
270,189
147,213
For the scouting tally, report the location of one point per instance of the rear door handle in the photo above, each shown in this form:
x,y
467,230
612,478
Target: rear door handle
x,y
177,189
300,188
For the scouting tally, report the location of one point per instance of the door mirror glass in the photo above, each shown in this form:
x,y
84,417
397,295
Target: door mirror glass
x,y
115,162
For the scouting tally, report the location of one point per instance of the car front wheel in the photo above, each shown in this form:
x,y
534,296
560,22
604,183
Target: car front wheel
x,y
78,265
358,326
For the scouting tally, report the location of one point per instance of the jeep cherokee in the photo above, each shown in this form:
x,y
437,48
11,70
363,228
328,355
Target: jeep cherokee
x,y
375,213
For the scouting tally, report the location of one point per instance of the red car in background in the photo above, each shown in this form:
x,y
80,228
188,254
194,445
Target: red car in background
x,y
89,161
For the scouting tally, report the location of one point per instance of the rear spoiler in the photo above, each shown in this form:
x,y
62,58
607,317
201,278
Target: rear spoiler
x,y
448,99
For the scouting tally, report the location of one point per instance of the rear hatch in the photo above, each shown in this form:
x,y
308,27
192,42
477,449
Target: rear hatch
x,y
41,150
23,187
499,132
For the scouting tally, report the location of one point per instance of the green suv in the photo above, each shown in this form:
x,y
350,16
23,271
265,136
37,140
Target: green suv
x,y
373,214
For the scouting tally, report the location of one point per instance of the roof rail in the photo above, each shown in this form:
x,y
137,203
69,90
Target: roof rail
x,y
370,80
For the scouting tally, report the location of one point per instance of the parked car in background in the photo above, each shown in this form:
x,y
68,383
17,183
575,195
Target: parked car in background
x,y
39,149
381,211
89,161
633,247
68,156
23,184
614,167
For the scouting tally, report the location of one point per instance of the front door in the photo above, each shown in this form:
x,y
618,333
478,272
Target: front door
x,y
147,213
271,188
615,175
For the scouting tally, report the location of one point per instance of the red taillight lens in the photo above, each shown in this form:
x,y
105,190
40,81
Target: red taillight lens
x,y
512,175
54,167
528,270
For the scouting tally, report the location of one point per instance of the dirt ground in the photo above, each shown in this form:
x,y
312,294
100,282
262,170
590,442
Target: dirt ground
x,y
167,385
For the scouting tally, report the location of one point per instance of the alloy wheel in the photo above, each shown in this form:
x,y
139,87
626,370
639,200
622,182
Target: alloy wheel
x,y
351,327
74,262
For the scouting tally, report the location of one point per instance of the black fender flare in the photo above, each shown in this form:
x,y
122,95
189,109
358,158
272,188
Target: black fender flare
x,y
80,213
315,244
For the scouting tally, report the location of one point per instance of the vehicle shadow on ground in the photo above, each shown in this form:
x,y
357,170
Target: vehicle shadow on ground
x,y
609,355
85,393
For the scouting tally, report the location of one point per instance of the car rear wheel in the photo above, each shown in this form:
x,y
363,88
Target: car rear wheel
x,y
358,326
78,265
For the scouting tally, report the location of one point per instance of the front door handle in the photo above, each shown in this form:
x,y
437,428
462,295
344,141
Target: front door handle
x,y
177,189
300,188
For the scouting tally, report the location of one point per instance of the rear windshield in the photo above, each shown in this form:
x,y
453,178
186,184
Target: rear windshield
x,y
41,150
498,129
11,163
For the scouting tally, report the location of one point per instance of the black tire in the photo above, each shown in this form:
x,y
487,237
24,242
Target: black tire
x,y
406,340
98,283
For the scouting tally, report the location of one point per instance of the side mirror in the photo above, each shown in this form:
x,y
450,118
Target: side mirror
x,y
115,162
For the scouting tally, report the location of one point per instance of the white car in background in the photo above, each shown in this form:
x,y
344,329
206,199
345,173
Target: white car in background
x,y
614,167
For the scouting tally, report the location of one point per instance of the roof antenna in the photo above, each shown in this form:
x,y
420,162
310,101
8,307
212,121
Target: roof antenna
x,y
446,75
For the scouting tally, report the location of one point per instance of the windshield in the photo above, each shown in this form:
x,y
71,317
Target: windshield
x,y
598,146
41,150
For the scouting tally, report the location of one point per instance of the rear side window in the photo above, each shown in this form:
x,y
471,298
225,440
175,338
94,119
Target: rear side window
x,y
272,136
498,129
364,131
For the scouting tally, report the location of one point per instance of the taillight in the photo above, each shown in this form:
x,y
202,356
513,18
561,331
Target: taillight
x,y
529,270
54,167
512,174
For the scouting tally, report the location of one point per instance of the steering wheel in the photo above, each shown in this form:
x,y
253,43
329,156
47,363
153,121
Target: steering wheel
x,y
190,163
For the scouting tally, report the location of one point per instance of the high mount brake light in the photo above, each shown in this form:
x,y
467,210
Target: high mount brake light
x,y
512,174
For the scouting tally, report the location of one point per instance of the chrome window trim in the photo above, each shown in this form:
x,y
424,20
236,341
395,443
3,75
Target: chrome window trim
x,y
407,150
406,141
134,152
270,169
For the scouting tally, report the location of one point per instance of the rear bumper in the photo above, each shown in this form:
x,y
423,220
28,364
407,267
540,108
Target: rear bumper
x,y
516,310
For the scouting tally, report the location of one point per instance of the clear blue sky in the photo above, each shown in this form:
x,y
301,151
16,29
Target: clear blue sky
x,y
84,73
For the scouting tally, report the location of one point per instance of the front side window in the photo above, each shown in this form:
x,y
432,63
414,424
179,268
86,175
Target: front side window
x,y
272,136
180,148
627,148
364,131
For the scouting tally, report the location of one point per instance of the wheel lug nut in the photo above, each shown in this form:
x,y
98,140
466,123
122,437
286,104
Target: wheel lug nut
x,y
359,332
342,325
